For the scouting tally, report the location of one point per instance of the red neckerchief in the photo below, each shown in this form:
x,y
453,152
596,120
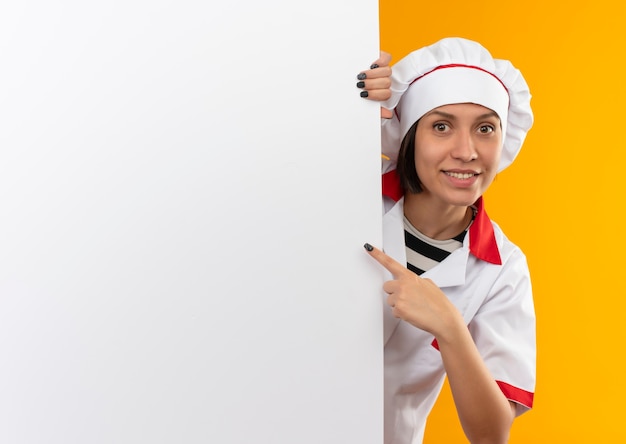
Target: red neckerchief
x,y
482,238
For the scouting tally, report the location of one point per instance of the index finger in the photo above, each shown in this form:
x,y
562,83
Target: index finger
x,y
378,72
384,59
393,266
379,69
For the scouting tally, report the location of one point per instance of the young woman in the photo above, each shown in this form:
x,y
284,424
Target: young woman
x,y
458,294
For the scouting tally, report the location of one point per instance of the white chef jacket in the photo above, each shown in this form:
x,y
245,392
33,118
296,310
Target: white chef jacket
x,y
488,280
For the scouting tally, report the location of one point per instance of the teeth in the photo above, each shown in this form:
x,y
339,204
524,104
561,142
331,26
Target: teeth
x,y
460,175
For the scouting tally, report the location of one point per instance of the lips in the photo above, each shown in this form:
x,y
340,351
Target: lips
x,y
460,175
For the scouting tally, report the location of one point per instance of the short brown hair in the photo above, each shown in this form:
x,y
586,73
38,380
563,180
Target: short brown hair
x,y
407,173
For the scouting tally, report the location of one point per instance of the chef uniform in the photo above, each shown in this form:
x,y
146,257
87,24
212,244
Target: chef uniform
x,y
487,279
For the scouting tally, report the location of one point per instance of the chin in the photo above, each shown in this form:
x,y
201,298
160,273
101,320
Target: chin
x,y
464,200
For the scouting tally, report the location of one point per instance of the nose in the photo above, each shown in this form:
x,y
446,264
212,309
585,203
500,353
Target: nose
x,y
464,147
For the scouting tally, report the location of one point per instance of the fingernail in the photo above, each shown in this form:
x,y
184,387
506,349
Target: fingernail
x,y
361,76
368,247
374,66
364,94
360,84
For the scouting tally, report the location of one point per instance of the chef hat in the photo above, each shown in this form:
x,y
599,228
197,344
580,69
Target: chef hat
x,y
456,70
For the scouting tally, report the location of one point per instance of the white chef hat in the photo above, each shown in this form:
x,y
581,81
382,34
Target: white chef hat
x,y
457,70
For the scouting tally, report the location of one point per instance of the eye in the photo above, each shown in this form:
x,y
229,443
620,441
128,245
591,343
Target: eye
x,y
440,127
486,129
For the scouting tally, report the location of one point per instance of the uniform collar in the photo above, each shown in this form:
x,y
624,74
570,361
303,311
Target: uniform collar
x,y
481,235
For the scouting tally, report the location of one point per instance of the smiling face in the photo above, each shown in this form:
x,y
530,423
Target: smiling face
x,y
457,152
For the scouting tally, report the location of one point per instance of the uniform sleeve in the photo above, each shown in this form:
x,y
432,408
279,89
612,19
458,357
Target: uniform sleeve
x,y
504,332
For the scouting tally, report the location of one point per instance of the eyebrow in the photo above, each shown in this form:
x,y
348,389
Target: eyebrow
x,y
452,116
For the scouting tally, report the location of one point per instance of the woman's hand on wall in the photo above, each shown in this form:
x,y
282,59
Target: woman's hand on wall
x,y
375,82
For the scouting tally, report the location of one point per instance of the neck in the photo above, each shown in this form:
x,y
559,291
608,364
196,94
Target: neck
x,y
435,219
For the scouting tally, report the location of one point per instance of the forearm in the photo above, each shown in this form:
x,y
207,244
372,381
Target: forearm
x,y
485,414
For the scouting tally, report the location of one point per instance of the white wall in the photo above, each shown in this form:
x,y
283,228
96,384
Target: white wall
x,y
185,189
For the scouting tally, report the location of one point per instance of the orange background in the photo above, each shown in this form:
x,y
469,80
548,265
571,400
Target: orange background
x,y
562,200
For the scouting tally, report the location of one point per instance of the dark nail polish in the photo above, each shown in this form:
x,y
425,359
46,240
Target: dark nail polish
x,y
360,84
368,247
361,76
364,94
374,66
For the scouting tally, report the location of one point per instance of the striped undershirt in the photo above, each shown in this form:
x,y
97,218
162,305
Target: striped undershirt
x,y
424,253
